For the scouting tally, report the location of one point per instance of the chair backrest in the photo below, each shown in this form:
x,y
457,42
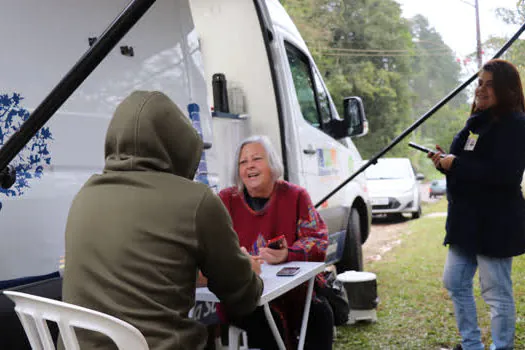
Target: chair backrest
x,y
12,333
33,312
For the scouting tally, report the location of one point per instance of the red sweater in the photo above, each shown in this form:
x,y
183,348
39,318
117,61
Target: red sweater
x,y
289,212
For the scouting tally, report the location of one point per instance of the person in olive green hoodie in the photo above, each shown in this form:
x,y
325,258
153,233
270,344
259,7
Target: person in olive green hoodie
x,y
137,234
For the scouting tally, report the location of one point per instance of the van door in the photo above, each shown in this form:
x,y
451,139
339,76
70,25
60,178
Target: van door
x,y
70,148
325,161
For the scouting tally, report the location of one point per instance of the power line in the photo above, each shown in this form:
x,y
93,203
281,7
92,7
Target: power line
x,y
382,50
382,55
468,3
433,42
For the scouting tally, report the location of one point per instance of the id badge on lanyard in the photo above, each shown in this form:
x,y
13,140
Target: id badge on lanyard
x,y
471,141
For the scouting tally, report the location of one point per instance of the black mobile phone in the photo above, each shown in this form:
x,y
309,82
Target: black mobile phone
x,y
276,243
422,148
288,271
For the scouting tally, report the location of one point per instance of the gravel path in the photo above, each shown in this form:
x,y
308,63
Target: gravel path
x,y
386,234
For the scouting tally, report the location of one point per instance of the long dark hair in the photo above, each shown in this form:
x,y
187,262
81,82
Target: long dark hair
x,y
507,87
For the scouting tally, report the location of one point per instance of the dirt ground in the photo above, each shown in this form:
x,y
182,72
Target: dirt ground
x,y
385,234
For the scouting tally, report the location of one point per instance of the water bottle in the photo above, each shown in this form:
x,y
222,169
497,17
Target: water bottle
x,y
220,93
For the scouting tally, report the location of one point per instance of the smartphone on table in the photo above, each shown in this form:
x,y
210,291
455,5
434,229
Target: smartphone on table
x,y
288,271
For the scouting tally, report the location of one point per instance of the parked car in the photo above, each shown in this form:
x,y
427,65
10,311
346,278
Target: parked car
x,y
437,188
394,188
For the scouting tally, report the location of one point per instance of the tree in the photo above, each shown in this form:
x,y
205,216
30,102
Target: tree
x,y
400,68
356,60
435,70
435,74
516,53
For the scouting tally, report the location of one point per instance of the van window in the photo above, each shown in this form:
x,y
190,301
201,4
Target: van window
x,y
304,87
324,101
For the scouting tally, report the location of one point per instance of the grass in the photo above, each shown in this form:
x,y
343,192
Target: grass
x,y
436,207
415,311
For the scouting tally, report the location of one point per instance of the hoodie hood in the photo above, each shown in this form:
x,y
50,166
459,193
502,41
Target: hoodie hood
x,y
148,132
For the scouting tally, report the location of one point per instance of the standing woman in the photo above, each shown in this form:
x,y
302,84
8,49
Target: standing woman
x,y
485,226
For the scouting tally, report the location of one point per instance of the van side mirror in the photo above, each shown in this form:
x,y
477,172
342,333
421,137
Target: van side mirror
x,y
354,115
420,177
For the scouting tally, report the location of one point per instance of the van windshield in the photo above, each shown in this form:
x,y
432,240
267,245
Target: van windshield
x,y
389,169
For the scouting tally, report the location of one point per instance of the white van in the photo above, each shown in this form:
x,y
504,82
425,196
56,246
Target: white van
x,y
178,47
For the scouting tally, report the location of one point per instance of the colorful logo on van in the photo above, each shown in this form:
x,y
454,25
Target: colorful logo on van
x,y
33,158
327,161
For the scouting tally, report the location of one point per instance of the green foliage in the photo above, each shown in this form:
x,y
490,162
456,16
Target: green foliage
x,y
379,80
512,16
400,68
516,53
435,73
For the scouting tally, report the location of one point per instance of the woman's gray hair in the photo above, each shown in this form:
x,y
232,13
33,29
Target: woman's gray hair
x,y
276,166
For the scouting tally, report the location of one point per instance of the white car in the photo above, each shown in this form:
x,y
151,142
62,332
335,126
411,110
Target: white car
x,y
394,188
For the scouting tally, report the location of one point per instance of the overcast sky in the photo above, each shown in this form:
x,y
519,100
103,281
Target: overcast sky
x,y
456,22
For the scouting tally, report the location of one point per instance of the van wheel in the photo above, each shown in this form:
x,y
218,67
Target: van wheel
x,y
352,258
417,214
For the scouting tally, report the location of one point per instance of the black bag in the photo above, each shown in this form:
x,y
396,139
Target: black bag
x,y
334,291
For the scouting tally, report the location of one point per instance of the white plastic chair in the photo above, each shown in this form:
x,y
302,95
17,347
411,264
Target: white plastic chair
x,y
234,336
237,338
33,312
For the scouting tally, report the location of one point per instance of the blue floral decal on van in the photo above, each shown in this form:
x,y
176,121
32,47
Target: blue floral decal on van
x,y
31,160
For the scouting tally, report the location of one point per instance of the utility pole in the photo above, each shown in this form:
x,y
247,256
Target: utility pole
x,y
478,35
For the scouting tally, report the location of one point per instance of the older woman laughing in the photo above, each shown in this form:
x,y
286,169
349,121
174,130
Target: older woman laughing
x,y
263,208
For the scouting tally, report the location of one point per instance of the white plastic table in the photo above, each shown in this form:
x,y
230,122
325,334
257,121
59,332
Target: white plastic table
x,y
274,287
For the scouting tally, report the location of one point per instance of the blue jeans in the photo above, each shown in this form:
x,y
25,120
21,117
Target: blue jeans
x,y
496,289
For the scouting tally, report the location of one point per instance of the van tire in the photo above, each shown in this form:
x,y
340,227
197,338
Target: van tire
x,y
417,214
352,258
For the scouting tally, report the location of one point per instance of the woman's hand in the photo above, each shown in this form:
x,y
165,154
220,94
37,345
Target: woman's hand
x,y
274,256
446,162
441,160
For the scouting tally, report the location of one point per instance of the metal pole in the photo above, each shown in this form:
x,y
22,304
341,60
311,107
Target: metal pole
x,y
80,71
420,121
478,36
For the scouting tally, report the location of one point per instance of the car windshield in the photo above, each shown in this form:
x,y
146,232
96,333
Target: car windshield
x,y
386,169
439,183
